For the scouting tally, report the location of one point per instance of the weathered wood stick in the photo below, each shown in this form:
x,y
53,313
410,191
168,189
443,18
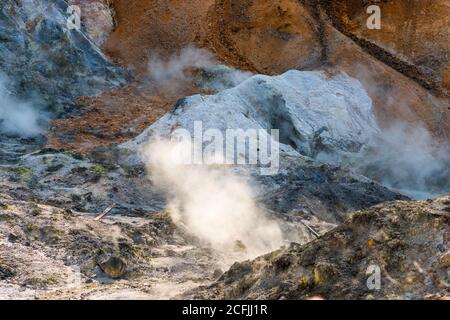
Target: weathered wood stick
x,y
104,213
310,229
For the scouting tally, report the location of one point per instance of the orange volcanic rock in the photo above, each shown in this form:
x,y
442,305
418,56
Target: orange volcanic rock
x,y
414,37
113,117
146,26
267,36
406,76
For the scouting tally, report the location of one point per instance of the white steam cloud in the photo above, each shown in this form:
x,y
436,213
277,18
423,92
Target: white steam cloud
x,y
176,68
407,159
404,156
17,117
214,205
176,73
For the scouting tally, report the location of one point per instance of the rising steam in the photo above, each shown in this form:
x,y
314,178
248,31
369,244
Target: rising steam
x,y
17,117
407,159
213,204
173,74
176,73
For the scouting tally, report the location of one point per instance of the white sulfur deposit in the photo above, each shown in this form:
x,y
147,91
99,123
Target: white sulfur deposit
x,y
313,112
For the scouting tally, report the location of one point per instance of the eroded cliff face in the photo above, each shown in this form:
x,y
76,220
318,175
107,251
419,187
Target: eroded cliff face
x,y
149,26
404,69
334,266
267,36
403,66
414,36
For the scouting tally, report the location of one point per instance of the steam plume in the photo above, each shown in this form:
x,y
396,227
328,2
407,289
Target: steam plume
x,y
17,117
214,205
407,159
174,74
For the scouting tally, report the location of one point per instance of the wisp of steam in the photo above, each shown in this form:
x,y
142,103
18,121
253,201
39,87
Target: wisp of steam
x,y
17,117
407,159
173,74
212,203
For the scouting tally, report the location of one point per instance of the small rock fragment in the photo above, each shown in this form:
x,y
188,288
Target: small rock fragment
x,y
114,267
445,260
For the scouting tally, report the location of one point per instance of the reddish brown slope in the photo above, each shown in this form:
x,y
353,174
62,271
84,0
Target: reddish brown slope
x,y
404,69
404,66
163,26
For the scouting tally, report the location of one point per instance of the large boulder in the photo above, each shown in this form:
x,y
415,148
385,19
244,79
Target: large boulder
x,y
413,37
317,114
314,112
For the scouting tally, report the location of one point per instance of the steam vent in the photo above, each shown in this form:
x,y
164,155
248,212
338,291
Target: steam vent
x,y
224,150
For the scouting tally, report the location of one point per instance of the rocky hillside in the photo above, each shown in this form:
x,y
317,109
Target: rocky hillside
x,y
408,241
271,37
43,58
274,36
94,205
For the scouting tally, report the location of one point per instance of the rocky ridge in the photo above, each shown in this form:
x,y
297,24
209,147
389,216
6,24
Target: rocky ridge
x,y
391,236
